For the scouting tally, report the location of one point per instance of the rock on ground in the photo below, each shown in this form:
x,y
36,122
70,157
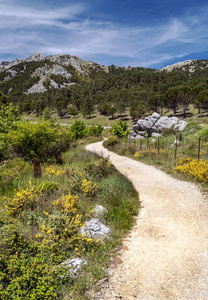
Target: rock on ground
x,y
73,266
95,229
156,125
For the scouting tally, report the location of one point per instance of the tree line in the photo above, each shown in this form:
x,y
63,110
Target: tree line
x,y
137,89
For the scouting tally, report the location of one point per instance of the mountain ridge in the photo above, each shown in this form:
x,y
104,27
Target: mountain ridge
x,y
51,65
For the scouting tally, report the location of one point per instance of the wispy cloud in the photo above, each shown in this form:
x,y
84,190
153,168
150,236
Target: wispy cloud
x,y
11,15
27,30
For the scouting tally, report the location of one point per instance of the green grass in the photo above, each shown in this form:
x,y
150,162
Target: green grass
x,y
115,193
95,119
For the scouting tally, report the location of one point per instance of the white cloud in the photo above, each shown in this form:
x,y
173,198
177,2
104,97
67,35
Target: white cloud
x,y
11,15
26,30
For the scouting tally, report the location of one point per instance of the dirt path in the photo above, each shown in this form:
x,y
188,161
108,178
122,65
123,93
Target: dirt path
x,y
166,254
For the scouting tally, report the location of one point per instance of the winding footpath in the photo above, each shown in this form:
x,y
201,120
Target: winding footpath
x,y
166,254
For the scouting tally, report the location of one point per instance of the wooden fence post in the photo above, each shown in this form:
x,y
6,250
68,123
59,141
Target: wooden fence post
x,y
37,168
158,145
59,158
148,145
199,149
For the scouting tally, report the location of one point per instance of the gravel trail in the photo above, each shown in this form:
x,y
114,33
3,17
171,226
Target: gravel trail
x,y
165,256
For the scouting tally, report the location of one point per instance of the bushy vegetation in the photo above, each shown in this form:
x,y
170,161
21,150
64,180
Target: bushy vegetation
x,y
120,129
40,222
36,141
192,167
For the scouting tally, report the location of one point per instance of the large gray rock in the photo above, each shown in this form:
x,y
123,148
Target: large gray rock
x,y
135,127
142,133
6,65
95,229
155,116
181,125
132,135
58,70
155,124
139,137
55,69
165,123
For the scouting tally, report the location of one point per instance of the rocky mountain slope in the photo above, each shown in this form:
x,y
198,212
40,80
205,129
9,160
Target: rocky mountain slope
x,y
48,71
39,73
188,65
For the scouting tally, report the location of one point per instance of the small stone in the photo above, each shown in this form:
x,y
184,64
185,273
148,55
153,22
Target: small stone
x,y
99,210
95,229
73,266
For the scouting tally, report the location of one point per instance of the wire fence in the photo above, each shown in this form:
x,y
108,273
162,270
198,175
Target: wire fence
x,y
175,146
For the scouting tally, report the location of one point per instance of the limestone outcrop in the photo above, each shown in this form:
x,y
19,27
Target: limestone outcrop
x,y
154,125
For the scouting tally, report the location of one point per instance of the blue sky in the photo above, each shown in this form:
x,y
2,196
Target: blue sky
x,y
148,33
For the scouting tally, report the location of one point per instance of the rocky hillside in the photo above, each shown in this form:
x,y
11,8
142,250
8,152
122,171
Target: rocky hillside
x,y
39,73
188,65
68,84
42,73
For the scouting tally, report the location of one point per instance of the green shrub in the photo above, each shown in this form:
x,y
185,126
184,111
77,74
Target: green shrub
x,y
168,131
75,177
12,170
8,115
27,199
24,272
48,187
77,130
120,129
99,169
37,141
111,142
94,130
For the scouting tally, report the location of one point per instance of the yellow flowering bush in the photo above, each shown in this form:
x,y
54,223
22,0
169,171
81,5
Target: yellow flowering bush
x,y
89,188
103,163
99,169
75,179
61,233
144,153
192,167
23,200
67,204
53,171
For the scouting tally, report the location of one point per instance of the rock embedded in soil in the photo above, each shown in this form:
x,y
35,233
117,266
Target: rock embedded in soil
x,y
73,266
95,229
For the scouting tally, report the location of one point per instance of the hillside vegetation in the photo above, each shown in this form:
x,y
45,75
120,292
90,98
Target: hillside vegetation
x,y
49,188
71,86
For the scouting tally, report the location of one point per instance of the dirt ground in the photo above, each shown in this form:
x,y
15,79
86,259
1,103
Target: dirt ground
x,y
165,256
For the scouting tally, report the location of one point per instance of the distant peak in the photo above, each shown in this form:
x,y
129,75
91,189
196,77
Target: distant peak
x,y
35,57
178,65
